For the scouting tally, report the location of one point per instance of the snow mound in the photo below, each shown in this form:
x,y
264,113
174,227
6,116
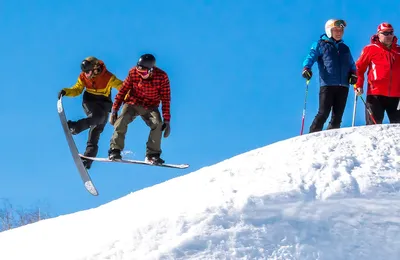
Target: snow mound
x,y
327,195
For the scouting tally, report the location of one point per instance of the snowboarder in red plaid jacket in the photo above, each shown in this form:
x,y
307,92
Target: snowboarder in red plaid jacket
x,y
145,87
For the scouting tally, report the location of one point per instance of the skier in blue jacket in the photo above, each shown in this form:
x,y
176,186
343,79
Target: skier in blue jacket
x,y
337,71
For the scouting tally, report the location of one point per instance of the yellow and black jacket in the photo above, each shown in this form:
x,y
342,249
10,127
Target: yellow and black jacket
x,y
97,88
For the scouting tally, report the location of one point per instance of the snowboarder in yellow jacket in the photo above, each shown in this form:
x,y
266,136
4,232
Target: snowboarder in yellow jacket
x,y
97,82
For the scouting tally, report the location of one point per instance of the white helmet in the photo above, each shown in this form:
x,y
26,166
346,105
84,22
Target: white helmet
x,y
333,23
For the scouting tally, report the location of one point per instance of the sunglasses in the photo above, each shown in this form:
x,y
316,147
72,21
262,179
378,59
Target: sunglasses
x,y
387,33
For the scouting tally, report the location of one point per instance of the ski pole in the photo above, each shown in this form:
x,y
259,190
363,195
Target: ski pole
x,y
369,110
304,109
354,109
398,106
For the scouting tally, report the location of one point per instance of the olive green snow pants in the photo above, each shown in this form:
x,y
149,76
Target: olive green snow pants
x,y
152,118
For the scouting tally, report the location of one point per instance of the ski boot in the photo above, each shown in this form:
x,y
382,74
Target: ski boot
x,y
114,154
72,127
154,159
87,163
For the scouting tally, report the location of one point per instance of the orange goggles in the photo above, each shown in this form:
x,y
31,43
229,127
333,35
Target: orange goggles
x,y
339,23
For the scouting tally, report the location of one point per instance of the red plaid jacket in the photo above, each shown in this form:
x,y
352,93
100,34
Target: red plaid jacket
x,y
147,93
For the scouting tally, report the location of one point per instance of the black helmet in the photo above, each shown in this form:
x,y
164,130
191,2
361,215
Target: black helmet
x,y
146,61
88,64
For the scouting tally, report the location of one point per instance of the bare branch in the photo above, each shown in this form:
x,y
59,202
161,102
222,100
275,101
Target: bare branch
x,y
10,217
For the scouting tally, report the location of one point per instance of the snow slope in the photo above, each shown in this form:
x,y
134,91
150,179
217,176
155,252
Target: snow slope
x,y
329,195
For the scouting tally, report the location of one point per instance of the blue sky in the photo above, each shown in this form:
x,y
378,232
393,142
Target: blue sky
x,y
235,72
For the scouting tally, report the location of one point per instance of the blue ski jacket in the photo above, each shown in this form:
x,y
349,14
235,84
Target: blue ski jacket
x,y
334,59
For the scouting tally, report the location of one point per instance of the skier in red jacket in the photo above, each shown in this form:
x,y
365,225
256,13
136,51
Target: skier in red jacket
x,y
382,58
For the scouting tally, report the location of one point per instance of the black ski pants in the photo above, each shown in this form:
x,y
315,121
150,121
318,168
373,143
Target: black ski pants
x,y
330,98
379,105
97,115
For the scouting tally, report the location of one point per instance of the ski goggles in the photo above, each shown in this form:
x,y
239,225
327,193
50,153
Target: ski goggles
x,y
339,23
91,73
143,71
87,70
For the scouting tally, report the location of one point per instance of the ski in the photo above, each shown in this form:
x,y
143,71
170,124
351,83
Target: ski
x,y
167,165
74,151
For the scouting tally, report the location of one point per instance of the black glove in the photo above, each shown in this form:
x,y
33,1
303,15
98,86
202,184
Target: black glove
x,y
352,78
307,73
61,94
167,129
113,117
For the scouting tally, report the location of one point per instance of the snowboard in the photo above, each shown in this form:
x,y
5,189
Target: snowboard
x,y
167,165
74,151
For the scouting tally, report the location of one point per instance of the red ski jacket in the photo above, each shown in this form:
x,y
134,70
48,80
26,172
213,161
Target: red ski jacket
x,y
383,68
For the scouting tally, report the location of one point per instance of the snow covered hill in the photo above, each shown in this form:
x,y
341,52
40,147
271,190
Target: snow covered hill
x,y
329,195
